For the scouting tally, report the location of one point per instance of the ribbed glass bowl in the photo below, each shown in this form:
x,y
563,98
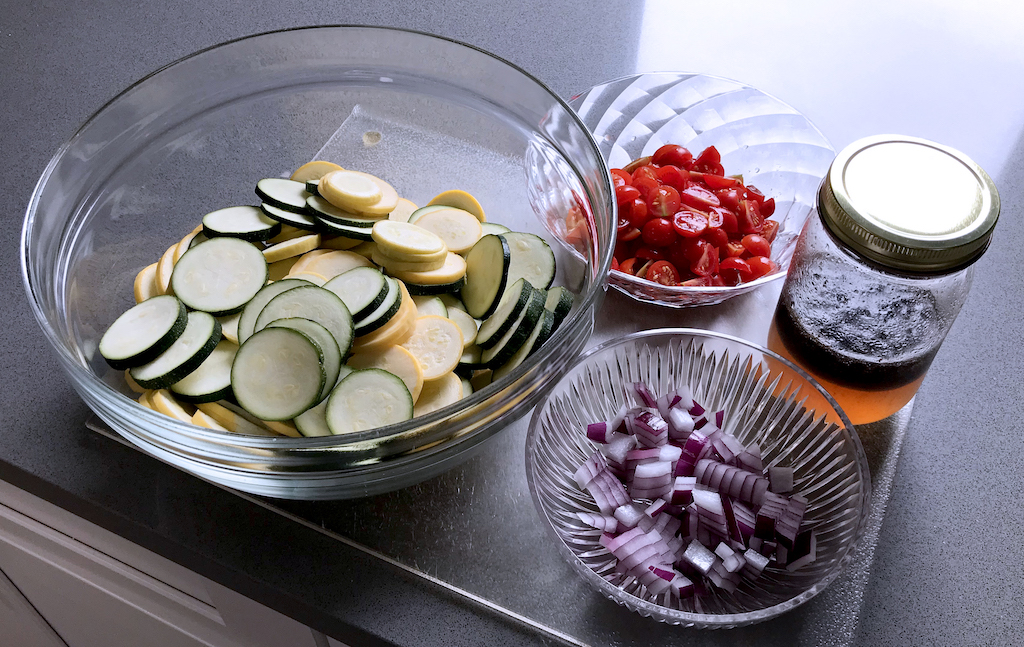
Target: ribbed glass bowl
x,y
768,142
766,399
425,113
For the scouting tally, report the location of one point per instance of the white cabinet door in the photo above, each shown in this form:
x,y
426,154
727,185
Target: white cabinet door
x,y
22,624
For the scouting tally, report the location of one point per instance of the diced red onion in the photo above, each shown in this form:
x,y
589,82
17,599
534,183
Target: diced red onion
x,y
628,515
604,523
656,508
590,468
617,446
680,423
682,490
645,394
698,556
781,479
804,550
697,410
755,564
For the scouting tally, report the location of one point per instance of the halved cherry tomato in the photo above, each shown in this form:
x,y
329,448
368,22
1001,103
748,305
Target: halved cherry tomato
x,y
716,236
761,265
724,219
709,161
769,228
753,193
636,212
626,193
663,201
629,266
645,171
650,253
674,177
659,232
703,258
615,263
730,198
749,217
756,245
733,249
699,281
690,224
662,272
734,271
628,232
620,177
715,182
768,207
637,163
672,154
698,197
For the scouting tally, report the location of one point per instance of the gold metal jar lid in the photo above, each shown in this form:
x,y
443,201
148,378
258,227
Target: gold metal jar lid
x,y
909,204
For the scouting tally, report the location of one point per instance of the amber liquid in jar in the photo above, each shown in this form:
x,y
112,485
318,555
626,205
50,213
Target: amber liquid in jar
x,y
836,336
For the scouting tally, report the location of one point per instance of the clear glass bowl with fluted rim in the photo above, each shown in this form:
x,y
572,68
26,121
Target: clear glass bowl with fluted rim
x,y
766,399
426,113
763,139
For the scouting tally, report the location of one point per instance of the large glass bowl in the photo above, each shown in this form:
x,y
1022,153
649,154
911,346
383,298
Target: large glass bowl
x,y
766,399
425,113
768,142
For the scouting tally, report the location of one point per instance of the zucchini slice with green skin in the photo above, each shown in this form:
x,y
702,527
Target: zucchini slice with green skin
x,y
418,213
332,357
245,222
277,374
312,302
313,187
513,340
512,303
493,228
532,259
252,310
196,343
327,211
430,305
283,194
219,276
212,380
540,334
385,310
417,289
487,273
470,361
362,289
330,227
559,303
302,221
143,331
367,399
313,421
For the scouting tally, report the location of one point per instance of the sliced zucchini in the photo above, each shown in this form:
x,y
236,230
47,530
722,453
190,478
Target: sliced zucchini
x,y
278,373
403,210
540,334
283,194
143,332
436,342
385,310
404,241
487,268
312,302
457,228
313,187
220,276
233,418
388,198
146,285
313,421
493,228
517,335
252,310
506,314
349,190
559,303
302,221
430,305
332,357
212,380
293,247
532,259
335,262
398,361
327,211
422,211
438,289
335,229
453,270
245,222
200,338
466,324
425,264
367,399
460,200
470,360
363,289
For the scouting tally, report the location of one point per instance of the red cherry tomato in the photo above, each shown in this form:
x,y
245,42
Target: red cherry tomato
x,y
698,197
629,266
662,272
708,160
626,193
749,217
658,232
636,212
623,227
629,234
768,207
761,265
672,154
716,237
663,201
646,185
734,271
733,249
724,219
753,193
650,253
690,224
730,198
615,263
716,182
769,228
645,171
703,258
698,281
620,177
673,177
756,245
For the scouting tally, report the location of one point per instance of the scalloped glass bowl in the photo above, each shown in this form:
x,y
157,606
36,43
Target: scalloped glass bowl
x,y
425,113
766,399
768,142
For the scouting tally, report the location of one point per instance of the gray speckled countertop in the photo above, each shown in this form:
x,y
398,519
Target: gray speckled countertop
x,y
947,570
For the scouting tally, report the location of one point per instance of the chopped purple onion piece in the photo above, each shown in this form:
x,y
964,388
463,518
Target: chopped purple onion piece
x,y
755,564
719,418
697,410
598,432
645,394
698,556
781,479
803,551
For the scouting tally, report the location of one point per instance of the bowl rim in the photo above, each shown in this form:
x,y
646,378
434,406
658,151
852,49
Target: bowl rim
x,y
625,282
656,611
72,363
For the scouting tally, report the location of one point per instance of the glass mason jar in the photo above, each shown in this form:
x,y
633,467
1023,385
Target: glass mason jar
x,y
879,276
